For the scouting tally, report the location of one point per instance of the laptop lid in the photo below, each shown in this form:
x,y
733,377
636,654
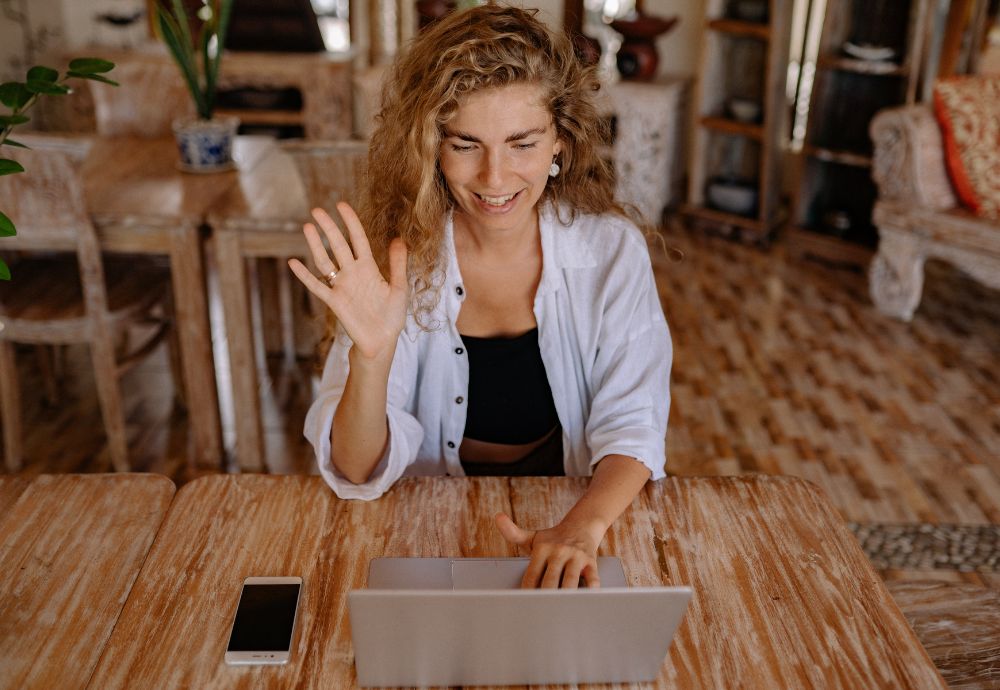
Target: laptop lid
x,y
442,636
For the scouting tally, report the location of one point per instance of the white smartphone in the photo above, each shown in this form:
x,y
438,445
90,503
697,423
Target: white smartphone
x,y
264,624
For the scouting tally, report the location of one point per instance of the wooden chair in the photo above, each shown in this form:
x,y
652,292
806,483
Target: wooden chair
x,y
150,96
66,292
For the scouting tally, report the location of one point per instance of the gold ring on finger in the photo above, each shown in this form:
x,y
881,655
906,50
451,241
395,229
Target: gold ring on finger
x,y
329,278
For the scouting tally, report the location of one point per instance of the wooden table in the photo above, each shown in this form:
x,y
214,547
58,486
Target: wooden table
x,y
261,217
141,203
70,549
783,595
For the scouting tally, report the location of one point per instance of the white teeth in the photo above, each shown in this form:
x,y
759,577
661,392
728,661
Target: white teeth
x,y
497,200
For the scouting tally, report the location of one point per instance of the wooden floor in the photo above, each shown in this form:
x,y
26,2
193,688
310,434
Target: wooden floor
x,y
780,367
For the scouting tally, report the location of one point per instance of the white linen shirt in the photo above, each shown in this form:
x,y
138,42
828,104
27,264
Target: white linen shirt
x,y
603,340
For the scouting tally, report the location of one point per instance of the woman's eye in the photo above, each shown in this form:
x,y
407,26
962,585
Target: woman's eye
x,y
522,147
461,148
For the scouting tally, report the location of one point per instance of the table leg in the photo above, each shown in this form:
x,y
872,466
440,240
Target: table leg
x,y
239,335
195,336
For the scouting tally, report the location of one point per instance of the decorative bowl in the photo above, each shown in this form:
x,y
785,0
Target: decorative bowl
x,y
732,196
868,52
744,109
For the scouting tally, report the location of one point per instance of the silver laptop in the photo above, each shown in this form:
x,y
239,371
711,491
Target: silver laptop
x,y
446,621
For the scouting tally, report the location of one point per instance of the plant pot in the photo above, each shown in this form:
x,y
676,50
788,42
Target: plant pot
x,y
206,146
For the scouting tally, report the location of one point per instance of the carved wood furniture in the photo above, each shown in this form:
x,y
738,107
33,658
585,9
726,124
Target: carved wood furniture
x,y
76,297
150,95
744,58
71,547
648,143
832,215
787,599
263,218
918,215
142,204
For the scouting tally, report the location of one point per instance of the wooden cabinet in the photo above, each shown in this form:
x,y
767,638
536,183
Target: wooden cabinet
x,y
739,118
869,58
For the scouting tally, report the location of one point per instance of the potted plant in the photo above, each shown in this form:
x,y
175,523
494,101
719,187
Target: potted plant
x,y
205,142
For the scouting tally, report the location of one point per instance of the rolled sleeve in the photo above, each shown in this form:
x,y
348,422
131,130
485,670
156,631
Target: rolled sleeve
x,y
405,431
631,374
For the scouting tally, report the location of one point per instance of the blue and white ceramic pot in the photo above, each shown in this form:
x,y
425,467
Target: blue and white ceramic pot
x,y
206,145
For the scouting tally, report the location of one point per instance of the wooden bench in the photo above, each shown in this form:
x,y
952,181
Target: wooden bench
x,y
918,215
958,625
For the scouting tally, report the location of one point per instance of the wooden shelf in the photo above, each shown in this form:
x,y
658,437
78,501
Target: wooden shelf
x,y
265,117
722,217
737,27
858,160
807,243
730,126
874,68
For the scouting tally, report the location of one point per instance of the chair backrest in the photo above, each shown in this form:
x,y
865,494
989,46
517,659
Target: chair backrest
x,y
150,96
330,171
48,209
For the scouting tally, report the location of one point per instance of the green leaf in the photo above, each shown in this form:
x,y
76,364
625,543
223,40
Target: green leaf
x,y
47,88
183,54
9,167
15,144
6,226
14,94
90,66
46,74
11,120
4,271
92,77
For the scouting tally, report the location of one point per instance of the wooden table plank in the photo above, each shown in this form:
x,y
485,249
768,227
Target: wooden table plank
x,y
70,548
222,529
784,596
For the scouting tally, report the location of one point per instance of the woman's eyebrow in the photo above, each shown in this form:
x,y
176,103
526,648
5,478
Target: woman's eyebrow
x,y
516,136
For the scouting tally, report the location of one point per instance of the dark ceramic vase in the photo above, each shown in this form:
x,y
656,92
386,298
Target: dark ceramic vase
x,y
637,58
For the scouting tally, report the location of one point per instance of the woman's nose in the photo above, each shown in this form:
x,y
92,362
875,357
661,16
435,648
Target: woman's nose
x,y
492,171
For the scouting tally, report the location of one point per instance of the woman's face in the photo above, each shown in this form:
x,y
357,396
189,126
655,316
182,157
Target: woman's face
x,y
495,156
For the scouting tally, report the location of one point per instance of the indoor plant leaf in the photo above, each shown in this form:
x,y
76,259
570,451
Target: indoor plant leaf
x,y
15,144
4,271
40,73
183,53
11,120
46,87
6,226
14,95
9,167
83,66
92,77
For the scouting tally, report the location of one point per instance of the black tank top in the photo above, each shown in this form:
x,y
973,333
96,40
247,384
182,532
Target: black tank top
x,y
509,396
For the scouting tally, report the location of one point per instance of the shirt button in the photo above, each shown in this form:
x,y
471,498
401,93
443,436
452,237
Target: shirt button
x,y
460,291
459,350
460,400
451,444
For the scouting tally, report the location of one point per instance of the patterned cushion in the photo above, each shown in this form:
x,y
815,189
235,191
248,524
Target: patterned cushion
x,y
968,110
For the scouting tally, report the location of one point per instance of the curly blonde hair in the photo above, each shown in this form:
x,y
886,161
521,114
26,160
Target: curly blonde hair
x,y
490,46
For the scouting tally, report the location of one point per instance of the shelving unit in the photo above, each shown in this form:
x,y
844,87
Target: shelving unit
x,y
745,60
832,216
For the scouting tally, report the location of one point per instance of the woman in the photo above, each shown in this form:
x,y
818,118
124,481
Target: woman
x,y
519,331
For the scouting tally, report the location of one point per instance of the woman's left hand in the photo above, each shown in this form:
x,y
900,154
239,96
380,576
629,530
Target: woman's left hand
x,y
560,555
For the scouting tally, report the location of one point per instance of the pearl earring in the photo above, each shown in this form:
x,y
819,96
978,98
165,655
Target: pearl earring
x,y
553,169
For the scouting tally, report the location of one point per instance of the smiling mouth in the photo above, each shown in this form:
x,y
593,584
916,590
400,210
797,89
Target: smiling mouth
x,y
497,201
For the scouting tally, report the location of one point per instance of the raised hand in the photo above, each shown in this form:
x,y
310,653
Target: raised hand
x,y
560,555
371,310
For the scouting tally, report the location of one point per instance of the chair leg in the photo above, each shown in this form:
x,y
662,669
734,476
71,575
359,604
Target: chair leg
x,y
10,407
102,352
174,354
46,356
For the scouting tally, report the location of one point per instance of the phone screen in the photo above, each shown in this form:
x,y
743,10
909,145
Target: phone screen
x,y
264,618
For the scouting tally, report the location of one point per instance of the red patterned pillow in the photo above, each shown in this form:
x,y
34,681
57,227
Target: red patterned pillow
x,y
968,110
